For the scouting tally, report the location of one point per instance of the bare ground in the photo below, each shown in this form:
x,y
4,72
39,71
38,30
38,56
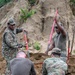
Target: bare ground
x,y
34,24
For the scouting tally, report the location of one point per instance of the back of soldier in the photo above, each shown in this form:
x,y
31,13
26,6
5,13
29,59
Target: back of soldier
x,y
20,66
55,66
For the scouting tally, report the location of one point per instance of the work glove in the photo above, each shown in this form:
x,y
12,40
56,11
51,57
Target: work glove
x,y
25,31
55,20
20,45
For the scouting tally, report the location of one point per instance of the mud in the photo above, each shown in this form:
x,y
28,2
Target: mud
x,y
38,59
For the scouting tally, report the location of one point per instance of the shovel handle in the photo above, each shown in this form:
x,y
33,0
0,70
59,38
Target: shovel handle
x,y
68,50
26,42
25,39
52,30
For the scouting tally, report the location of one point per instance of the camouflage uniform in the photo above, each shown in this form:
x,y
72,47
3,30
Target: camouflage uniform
x,y
54,66
9,44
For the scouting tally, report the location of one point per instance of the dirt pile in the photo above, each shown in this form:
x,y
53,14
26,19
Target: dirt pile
x,y
38,59
2,64
71,65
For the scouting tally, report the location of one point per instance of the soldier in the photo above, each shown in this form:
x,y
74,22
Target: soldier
x,y
59,40
21,65
10,45
54,65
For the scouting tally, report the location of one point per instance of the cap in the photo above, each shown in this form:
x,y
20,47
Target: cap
x,y
11,22
56,50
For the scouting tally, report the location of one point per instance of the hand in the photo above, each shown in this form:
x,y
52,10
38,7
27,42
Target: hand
x,y
25,31
55,20
20,45
46,52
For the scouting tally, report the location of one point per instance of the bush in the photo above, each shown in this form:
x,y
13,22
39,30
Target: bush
x,y
3,2
72,1
73,51
29,45
25,14
32,2
37,46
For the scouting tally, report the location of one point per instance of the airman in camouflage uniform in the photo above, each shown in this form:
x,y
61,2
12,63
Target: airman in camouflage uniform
x,y
10,45
54,65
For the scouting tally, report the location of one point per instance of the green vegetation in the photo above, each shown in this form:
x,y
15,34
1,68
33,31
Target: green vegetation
x,y
29,45
25,14
3,2
73,51
32,2
72,5
72,2
37,46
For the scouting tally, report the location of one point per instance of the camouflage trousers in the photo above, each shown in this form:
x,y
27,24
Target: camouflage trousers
x,y
9,55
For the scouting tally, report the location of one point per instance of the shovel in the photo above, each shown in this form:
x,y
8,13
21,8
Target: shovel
x,y
26,43
52,30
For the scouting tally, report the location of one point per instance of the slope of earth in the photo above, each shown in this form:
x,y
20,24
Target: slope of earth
x,y
39,24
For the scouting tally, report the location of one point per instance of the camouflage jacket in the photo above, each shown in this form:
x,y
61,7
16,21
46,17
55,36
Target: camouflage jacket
x,y
9,42
54,66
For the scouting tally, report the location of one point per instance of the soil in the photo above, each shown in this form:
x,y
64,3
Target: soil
x,y
38,26
38,59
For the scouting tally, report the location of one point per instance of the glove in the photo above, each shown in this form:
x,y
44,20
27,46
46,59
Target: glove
x,y
20,45
55,20
25,31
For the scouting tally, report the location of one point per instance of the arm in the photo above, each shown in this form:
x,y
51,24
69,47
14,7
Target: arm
x,y
61,29
44,71
32,70
64,67
19,30
50,47
10,41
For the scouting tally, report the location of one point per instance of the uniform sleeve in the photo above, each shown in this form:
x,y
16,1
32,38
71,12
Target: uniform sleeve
x,y
44,71
64,67
10,41
18,30
32,70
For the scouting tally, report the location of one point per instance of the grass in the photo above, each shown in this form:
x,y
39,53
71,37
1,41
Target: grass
x,y
72,2
25,14
37,46
73,51
32,2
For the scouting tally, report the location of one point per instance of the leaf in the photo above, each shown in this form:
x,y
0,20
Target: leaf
x,y
25,14
37,46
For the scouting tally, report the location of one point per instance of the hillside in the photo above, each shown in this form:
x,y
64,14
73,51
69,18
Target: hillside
x,y
39,24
